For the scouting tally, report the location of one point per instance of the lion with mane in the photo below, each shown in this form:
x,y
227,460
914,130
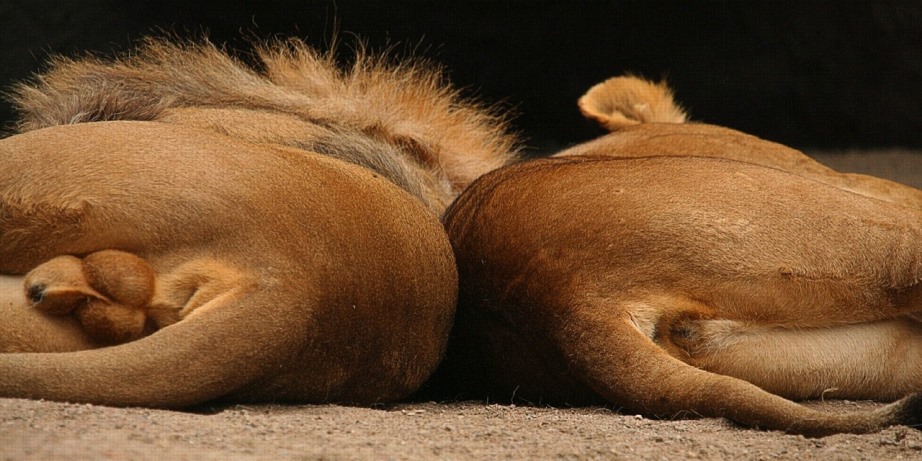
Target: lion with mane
x,y
177,226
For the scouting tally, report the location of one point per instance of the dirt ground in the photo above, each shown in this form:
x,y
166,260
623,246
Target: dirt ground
x,y
37,430
458,431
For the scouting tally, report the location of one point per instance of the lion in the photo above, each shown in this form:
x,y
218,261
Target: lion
x,y
679,269
179,227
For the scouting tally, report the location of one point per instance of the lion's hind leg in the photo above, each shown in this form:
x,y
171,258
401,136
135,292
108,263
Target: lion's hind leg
x,y
876,360
109,292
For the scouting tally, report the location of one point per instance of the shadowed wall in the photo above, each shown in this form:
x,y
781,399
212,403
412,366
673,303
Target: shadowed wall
x,y
809,74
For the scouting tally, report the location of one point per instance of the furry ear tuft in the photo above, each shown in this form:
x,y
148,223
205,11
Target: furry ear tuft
x,y
623,101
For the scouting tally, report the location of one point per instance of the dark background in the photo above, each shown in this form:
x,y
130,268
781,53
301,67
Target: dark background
x,y
810,74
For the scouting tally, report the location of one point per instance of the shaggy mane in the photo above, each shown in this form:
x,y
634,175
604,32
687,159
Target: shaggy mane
x,y
400,119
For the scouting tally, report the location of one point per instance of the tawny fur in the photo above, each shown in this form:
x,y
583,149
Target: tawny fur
x,y
398,118
232,233
687,269
645,120
620,102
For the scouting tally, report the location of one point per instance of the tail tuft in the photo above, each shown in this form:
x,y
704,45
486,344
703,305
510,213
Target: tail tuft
x,y
908,411
623,101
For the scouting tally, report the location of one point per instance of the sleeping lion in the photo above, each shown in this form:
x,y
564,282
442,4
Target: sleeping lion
x,y
177,227
679,269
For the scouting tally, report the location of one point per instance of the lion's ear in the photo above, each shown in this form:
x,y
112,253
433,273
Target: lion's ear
x,y
623,101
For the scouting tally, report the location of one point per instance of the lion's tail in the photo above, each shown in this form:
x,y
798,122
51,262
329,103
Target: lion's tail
x,y
623,101
643,378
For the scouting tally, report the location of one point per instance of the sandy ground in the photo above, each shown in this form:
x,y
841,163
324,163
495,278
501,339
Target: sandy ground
x,y
457,431
35,430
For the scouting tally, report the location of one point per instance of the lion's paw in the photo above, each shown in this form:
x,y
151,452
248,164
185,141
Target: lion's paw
x,y
109,292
